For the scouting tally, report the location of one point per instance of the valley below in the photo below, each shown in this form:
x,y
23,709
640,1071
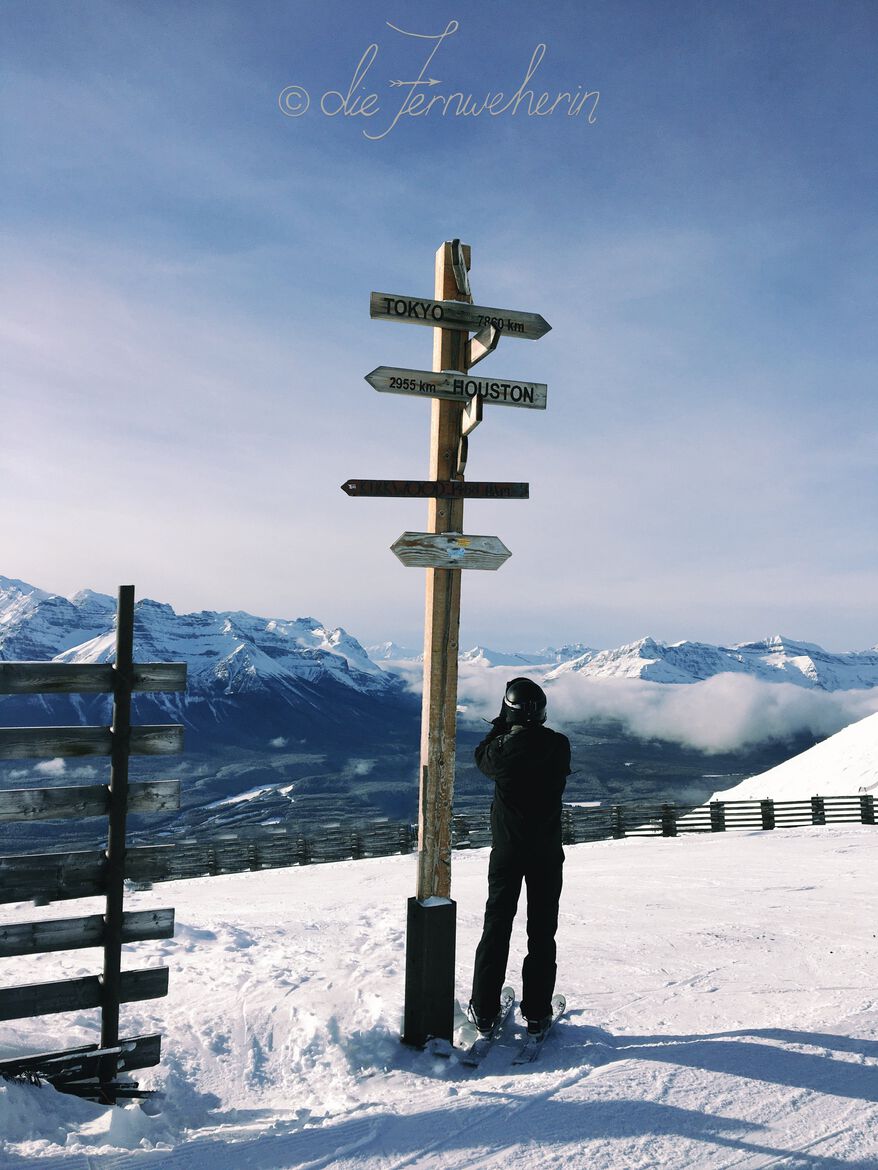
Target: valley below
x,y
326,780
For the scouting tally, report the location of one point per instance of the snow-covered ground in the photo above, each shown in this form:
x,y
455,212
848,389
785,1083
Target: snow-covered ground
x,y
723,1012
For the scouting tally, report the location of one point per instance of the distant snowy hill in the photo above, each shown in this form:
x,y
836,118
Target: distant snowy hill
x,y
843,765
251,677
775,659
392,651
482,656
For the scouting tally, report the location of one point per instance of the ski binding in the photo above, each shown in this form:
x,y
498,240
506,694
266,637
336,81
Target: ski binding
x,y
533,1043
475,1045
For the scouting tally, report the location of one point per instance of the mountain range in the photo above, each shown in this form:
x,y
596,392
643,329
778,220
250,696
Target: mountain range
x,y
774,659
255,680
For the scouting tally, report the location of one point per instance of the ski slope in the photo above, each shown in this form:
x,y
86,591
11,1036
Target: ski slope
x,y
723,1012
846,764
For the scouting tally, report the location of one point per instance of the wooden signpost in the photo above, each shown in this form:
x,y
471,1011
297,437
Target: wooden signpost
x,y
444,550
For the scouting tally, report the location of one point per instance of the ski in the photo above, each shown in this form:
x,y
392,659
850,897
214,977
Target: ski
x,y
474,1045
533,1044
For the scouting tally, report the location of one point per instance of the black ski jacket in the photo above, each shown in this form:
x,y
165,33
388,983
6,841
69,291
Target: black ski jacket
x,y
529,767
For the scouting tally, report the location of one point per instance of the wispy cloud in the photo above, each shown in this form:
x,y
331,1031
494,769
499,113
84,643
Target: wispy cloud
x,y
724,713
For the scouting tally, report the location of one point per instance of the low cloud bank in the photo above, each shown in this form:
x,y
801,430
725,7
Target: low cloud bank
x,y
724,713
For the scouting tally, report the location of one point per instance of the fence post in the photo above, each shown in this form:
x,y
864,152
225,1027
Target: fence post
x,y
617,821
118,808
818,811
767,808
669,820
717,816
867,809
568,834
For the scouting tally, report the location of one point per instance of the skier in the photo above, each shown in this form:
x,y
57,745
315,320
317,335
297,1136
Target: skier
x,y
529,765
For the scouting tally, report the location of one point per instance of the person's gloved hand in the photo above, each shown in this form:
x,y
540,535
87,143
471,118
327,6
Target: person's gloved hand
x,y
499,723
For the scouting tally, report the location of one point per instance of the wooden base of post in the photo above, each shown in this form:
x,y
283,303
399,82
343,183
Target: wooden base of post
x,y
429,971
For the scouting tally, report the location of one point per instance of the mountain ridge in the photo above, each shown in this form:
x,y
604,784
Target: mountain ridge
x,y
232,653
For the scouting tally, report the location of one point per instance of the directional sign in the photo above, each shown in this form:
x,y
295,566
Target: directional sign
x,y
450,550
459,387
421,489
456,315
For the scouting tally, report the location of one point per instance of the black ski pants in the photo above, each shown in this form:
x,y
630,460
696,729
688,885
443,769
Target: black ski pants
x,y
542,876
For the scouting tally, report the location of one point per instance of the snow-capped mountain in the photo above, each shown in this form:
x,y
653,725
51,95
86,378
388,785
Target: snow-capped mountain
x,y
275,670
393,652
35,625
775,659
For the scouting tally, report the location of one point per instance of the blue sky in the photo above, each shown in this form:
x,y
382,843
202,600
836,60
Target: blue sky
x,y
186,282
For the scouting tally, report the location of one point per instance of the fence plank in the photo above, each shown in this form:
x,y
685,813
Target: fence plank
x,y
158,676
161,740
68,995
52,876
21,743
84,800
46,678
61,802
67,934
147,796
77,1063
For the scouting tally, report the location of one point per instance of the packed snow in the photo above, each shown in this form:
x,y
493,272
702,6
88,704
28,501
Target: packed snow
x,y
722,1013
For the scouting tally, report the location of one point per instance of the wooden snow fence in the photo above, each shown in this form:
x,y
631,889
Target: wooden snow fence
x,y
671,820
94,1070
257,847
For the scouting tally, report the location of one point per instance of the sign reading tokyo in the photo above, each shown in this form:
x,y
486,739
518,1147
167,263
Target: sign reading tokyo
x,y
458,387
456,315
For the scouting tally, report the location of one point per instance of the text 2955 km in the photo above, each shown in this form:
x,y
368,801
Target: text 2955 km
x,y
417,384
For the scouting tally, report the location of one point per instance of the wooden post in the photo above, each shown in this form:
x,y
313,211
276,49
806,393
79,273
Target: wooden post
x,y
617,820
118,809
867,809
441,615
766,808
669,820
430,936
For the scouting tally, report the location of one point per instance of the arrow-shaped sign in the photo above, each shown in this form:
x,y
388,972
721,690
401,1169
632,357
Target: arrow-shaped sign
x,y
422,489
458,386
456,315
450,550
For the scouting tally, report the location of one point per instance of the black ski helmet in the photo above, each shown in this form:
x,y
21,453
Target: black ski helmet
x,y
524,702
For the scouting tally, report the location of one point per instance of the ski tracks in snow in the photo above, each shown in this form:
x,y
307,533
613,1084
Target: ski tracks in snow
x,y
470,1131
